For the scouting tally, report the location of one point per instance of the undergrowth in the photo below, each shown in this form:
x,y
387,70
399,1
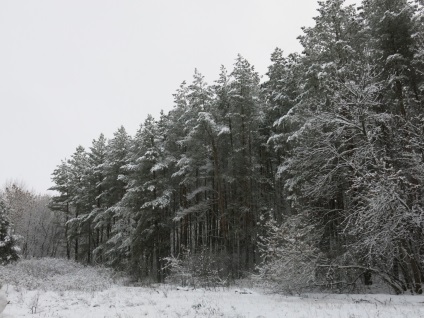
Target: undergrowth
x,y
55,275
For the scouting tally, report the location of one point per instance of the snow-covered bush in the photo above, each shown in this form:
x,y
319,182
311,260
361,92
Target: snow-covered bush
x,y
289,255
202,269
55,274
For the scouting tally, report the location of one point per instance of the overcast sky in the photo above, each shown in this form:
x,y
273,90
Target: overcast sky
x,y
70,70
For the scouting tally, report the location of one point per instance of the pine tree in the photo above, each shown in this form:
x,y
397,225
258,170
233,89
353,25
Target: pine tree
x,y
193,165
79,201
61,203
8,241
282,91
96,160
395,30
148,197
114,218
246,111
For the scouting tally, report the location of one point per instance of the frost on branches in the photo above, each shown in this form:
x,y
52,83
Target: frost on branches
x,y
289,255
203,269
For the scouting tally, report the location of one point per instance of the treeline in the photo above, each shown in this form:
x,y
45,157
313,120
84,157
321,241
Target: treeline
x,y
316,174
28,228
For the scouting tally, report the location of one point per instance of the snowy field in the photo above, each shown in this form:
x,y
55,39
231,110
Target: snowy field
x,y
58,289
166,301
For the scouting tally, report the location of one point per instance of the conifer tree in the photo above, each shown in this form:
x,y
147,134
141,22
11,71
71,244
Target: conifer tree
x,y
148,197
246,111
79,201
114,218
96,160
8,241
395,27
61,203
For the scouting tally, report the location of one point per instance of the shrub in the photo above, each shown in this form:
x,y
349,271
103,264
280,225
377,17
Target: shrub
x,y
202,269
289,255
55,274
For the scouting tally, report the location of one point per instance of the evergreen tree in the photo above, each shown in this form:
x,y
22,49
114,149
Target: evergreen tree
x,y
113,219
61,203
96,160
281,93
395,27
246,112
8,241
79,201
148,197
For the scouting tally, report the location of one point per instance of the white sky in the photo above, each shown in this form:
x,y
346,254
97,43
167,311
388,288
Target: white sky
x,y
72,69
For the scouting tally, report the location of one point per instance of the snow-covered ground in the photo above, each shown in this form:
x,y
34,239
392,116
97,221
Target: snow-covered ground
x,y
167,301
60,288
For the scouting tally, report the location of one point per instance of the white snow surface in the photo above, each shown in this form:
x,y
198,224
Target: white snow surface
x,y
171,301
60,288
3,301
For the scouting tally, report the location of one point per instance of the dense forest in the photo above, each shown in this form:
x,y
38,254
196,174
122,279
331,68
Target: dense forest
x,y
313,176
